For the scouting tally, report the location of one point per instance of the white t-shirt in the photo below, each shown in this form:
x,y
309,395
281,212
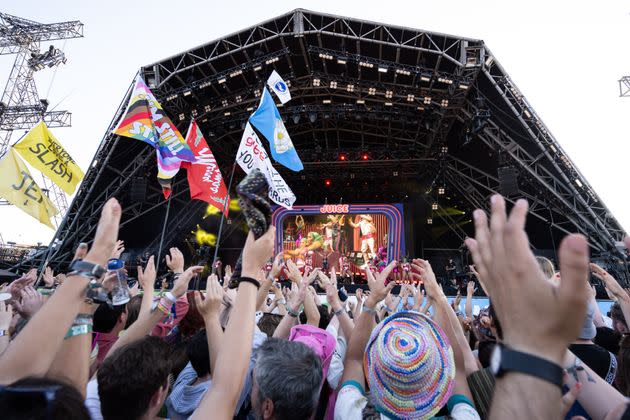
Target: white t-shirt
x,y
92,401
351,401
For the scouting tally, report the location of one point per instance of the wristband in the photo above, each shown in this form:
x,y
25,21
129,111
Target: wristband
x,y
78,330
292,313
339,311
248,280
83,319
170,296
369,310
164,306
388,309
4,333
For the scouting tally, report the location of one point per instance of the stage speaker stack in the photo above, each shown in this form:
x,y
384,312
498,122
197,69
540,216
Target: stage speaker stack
x,y
138,190
508,181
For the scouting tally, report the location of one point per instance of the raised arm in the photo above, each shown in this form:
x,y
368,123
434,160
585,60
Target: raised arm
x,y
35,348
353,363
210,308
234,354
538,318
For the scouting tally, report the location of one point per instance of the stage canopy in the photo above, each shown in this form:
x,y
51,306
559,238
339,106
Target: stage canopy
x,y
380,114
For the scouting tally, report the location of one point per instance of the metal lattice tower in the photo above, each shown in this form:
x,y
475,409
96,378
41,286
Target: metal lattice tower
x,y
20,105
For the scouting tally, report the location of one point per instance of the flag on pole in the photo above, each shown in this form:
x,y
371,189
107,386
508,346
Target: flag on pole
x,y
18,187
278,85
41,149
204,176
251,155
145,120
267,120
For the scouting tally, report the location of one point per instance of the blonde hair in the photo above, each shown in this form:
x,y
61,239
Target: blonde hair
x,y
546,266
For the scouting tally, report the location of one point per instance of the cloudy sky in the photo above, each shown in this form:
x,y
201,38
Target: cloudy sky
x,y
566,57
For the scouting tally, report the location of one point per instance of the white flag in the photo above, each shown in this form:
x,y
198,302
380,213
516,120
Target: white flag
x,y
279,86
252,155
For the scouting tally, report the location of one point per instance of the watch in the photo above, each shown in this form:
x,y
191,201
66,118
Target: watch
x,y
86,269
505,359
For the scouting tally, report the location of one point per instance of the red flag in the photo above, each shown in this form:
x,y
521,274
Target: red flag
x,y
204,176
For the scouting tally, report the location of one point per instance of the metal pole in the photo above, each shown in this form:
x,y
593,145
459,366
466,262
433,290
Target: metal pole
x,y
168,209
227,197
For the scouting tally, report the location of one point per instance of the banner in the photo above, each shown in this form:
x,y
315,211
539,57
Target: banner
x,y
204,176
42,150
145,120
18,187
267,120
278,85
251,155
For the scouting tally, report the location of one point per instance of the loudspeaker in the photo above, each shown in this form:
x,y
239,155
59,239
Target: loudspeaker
x,y
138,190
508,180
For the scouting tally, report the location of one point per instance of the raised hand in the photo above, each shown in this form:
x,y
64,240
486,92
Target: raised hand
x,y
210,306
48,277
119,248
537,317
276,268
610,282
359,295
175,261
181,283
146,277
423,271
471,289
376,283
227,275
296,296
293,272
31,301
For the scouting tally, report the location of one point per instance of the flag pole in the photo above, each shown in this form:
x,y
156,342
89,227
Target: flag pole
x,y
225,202
168,210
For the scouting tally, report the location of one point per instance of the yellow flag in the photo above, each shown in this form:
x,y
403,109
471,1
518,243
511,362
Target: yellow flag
x,y
42,150
19,188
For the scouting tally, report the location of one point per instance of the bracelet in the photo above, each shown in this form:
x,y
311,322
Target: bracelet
x,y
87,274
78,330
293,313
83,319
162,306
170,296
339,311
4,333
248,280
369,310
388,309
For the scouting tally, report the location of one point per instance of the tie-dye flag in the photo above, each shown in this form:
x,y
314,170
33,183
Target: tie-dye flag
x,y
145,120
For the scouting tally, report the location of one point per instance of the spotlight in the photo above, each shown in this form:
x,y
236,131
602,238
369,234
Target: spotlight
x,y
441,191
434,206
316,82
333,85
181,117
312,117
327,182
343,156
429,221
382,69
360,101
296,118
365,156
372,91
326,101
187,93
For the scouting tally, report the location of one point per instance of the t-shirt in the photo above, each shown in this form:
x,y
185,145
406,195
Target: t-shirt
x,y
597,358
351,401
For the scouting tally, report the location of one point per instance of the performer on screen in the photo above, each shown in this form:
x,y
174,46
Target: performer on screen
x,y
406,270
299,224
339,239
328,234
312,242
344,267
368,233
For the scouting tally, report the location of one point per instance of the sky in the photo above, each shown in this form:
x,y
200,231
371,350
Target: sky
x,y
565,56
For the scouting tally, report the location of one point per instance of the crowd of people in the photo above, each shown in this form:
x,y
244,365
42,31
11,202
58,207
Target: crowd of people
x,y
251,348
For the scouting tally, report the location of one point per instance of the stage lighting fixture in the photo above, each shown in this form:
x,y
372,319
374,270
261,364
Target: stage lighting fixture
x,y
343,156
441,191
236,73
395,173
463,86
366,64
187,93
296,118
444,149
312,117
325,56
434,206
425,78
316,82
350,88
222,80
388,104
204,85
258,68
382,69
171,97
579,183
327,182
527,114
272,60
181,117
341,61
326,101
360,101
224,102
444,103
429,221
194,113
427,100
250,108
207,108
239,99
333,85
405,72
227,113
365,156
372,91
411,98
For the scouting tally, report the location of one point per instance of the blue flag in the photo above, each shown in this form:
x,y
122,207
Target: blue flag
x,y
267,120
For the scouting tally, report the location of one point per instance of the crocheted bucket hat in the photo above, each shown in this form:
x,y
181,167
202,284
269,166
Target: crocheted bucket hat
x,y
409,366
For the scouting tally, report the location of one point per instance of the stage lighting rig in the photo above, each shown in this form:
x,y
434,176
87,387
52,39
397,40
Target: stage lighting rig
x,y
51,58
